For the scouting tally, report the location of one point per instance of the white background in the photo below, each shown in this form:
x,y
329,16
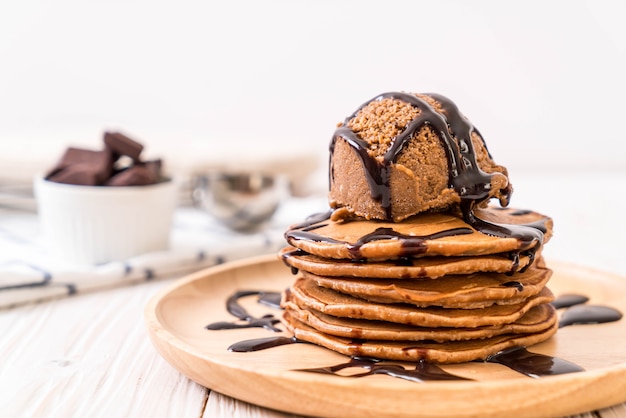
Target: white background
x,y
199,80
210,80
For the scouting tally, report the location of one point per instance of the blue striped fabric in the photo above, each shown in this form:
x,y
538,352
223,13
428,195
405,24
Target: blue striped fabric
x,y
28,274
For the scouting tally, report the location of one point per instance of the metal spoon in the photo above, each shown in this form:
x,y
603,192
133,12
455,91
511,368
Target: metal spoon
x,y
242,201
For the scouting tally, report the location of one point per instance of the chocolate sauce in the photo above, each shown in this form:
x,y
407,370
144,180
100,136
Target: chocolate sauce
x,y
518,358
565,301
256,344
238,311
538,365
589,314
519,286
465,175
271,299
411,244
306,235
533,364
422,370
529,237
287,254
313,219
578,313
520,212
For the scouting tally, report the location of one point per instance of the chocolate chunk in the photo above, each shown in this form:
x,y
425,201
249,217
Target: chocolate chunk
x,y
137,175
118,164
155,167
123,145
82,174
99,165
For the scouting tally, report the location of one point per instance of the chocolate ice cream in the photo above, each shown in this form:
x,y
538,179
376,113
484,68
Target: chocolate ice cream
x,y
401,154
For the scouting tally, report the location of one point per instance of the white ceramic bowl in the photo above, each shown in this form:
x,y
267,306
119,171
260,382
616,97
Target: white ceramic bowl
x,y
98,224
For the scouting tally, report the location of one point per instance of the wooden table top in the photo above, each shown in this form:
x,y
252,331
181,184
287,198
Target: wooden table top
x,y
89,355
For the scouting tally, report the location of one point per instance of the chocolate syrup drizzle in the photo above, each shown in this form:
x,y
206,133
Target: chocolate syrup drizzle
x,y
414,245
519,286
532,364
248,321
471,183
466,177
589,314
422,371
518,358
411,244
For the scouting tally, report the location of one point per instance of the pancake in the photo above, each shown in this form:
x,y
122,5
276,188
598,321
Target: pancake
x,y
448,352
425,234
305,293
406,268
476,290
537,319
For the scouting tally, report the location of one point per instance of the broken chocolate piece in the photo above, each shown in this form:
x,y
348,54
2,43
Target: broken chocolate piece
x,y
118,164
95,166
155,167
82,174
123,145
136,175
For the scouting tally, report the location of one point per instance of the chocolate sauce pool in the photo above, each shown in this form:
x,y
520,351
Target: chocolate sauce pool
x,y
247,320
422,370
519,358
532,364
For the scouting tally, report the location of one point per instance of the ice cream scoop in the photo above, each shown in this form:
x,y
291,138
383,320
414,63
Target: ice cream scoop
x,y
401,154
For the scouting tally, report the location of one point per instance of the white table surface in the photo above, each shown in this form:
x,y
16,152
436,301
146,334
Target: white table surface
x,y
89,355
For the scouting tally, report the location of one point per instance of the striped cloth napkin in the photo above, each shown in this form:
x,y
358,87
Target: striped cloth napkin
x,y
28,274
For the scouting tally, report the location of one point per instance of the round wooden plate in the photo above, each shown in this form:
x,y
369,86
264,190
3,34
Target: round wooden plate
x,y
176,319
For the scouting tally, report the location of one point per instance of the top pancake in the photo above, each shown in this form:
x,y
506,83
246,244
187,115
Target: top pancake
x,y
427,234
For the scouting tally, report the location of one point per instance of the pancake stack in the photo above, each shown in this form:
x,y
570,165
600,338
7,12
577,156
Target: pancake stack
x,y
407,266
